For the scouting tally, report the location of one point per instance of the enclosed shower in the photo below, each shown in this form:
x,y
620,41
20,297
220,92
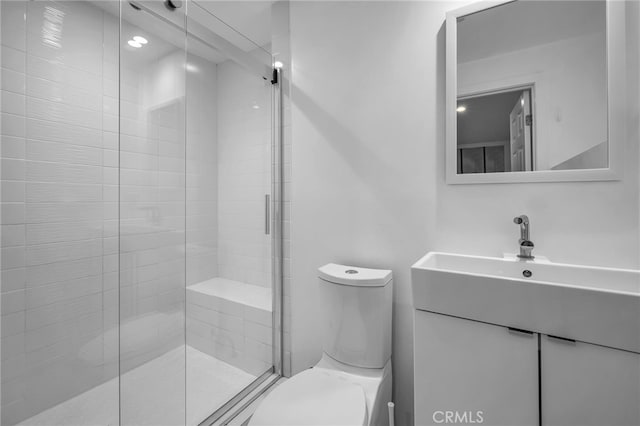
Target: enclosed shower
x,y
141,211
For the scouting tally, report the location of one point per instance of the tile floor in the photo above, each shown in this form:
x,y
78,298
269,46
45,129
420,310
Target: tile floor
x,y
153,394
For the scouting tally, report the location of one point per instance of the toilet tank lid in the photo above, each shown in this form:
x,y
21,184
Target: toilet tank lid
x,y
354,276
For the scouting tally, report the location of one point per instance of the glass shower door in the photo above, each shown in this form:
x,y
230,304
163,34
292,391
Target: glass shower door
x,y
229,222
195,170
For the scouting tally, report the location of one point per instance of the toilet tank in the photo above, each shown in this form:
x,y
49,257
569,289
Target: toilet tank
x,y
356,314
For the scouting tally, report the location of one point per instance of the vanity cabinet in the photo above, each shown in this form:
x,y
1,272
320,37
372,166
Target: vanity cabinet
x,y
588,385
481,373
495,375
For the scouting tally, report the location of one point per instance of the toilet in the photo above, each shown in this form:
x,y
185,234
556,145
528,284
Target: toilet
x,y
351,384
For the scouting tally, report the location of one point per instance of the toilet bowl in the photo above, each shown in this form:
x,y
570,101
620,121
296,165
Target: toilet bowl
x,y
328,394
352,382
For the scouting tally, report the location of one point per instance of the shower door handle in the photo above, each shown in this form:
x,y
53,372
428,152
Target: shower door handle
x,y
267,214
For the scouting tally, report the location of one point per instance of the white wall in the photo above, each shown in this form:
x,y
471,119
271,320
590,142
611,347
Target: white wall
x,y
368,170
363,157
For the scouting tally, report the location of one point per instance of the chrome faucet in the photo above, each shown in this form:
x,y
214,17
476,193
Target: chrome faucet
x,y
526,245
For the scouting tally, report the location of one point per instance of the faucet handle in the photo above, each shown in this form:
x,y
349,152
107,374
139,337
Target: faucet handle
x,y
519,220
526,247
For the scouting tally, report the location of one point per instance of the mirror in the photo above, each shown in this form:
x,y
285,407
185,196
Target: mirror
x,y
530,90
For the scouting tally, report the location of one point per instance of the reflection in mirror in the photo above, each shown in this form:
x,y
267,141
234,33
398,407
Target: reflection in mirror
x,y
500,125
532,87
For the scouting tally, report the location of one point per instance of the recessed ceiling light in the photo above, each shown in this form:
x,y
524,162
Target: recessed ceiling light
x,y
140,39
134,43
461,108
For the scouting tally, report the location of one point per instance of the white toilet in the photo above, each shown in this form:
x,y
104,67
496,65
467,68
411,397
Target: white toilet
x,y
351,385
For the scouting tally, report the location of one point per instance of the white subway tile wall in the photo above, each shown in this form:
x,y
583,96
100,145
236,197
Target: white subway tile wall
x,y
244,175
152,208
59,202
152,171
202,170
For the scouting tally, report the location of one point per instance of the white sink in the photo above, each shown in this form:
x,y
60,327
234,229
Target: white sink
x,y
589,304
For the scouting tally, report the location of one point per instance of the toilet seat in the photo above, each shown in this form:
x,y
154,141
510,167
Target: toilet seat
x,y
313,397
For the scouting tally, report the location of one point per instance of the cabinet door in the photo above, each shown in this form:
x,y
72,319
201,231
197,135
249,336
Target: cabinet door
x,y
586,385
469,369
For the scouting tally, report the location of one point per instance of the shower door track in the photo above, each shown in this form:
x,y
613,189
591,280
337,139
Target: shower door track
x,y
240,396
250,399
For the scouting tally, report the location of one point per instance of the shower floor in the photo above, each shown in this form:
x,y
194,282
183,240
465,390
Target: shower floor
x,y
153,394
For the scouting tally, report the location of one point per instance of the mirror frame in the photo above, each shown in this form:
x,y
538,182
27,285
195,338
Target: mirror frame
x,y
616,97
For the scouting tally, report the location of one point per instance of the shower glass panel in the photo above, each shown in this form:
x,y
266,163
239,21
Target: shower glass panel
x,y
59,198
152,214
139,161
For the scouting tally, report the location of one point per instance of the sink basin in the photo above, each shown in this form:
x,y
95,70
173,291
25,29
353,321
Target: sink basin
x,y
589,304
